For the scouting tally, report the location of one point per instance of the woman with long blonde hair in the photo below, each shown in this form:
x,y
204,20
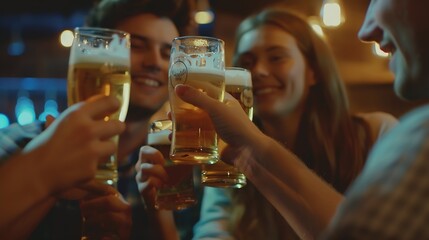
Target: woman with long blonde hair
x,y
300,101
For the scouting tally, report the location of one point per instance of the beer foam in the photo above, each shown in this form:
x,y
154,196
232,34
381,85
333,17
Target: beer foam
x,y
238,77
117,53
89,58
208,62
205,70
159,138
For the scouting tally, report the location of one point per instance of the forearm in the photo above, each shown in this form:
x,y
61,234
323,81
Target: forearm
x,y
23,226
164,224
304,200
21,190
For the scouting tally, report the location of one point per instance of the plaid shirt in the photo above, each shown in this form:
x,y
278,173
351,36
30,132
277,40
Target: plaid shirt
x,y
390,198
14,138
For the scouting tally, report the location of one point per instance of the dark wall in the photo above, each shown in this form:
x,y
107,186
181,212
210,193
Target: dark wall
x,y
378,97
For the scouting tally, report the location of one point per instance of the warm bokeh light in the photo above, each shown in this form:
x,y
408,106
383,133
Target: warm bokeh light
x,y
66,38
204,17
315,24
331,14
318,29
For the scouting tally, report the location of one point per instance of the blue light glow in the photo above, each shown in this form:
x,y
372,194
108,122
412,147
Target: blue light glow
x,y
24,110
51,108
4,120
16,48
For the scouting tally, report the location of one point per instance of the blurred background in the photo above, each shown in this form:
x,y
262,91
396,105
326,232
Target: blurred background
x,y
35,35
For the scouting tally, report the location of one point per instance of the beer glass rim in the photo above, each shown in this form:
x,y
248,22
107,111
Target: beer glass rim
x,y
88,31
199,37
237,68
246,81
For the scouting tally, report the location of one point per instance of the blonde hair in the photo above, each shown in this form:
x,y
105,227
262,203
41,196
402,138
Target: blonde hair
x,y
330,140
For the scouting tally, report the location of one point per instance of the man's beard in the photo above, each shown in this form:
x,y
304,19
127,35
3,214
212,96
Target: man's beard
x,y
136,113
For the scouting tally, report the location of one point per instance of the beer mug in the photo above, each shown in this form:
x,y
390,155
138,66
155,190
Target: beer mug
x,y
99,63
179,192
238,83
199,62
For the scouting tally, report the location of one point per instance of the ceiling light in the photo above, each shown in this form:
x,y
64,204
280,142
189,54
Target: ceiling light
x,y
203,14
66,38
332,13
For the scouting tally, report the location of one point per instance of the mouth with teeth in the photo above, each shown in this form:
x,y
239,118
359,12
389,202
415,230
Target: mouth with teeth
x,y
148,82
264,91
388,48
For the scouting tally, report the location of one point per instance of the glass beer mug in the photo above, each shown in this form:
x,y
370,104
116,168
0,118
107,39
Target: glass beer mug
x,y
99,63
178,193
199,62
238,83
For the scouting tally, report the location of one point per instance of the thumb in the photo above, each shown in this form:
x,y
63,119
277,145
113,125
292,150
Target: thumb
x,y
196,98
49,120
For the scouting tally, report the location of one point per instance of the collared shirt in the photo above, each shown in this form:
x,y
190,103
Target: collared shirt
x,y
390,198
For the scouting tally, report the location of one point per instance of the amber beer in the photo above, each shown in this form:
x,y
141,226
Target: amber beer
x,y
238,83
178,193
100,71
194,139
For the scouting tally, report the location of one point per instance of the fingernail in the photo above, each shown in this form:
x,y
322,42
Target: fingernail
x,y
145,166
181,89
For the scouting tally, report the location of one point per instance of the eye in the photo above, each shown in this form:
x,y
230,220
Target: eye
x,y
138,44
277,57
165,52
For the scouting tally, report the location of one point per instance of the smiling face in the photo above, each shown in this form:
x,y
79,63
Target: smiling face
x,y
401,27
151,38
280,74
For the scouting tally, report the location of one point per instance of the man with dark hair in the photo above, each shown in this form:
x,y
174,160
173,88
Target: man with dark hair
x,y
109,14
152,25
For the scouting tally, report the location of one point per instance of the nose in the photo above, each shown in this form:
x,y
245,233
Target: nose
x,y
370,31
260,70
152,58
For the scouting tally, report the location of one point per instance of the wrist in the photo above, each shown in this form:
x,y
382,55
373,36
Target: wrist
x,y
34,183
260,145
253,154
41,168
